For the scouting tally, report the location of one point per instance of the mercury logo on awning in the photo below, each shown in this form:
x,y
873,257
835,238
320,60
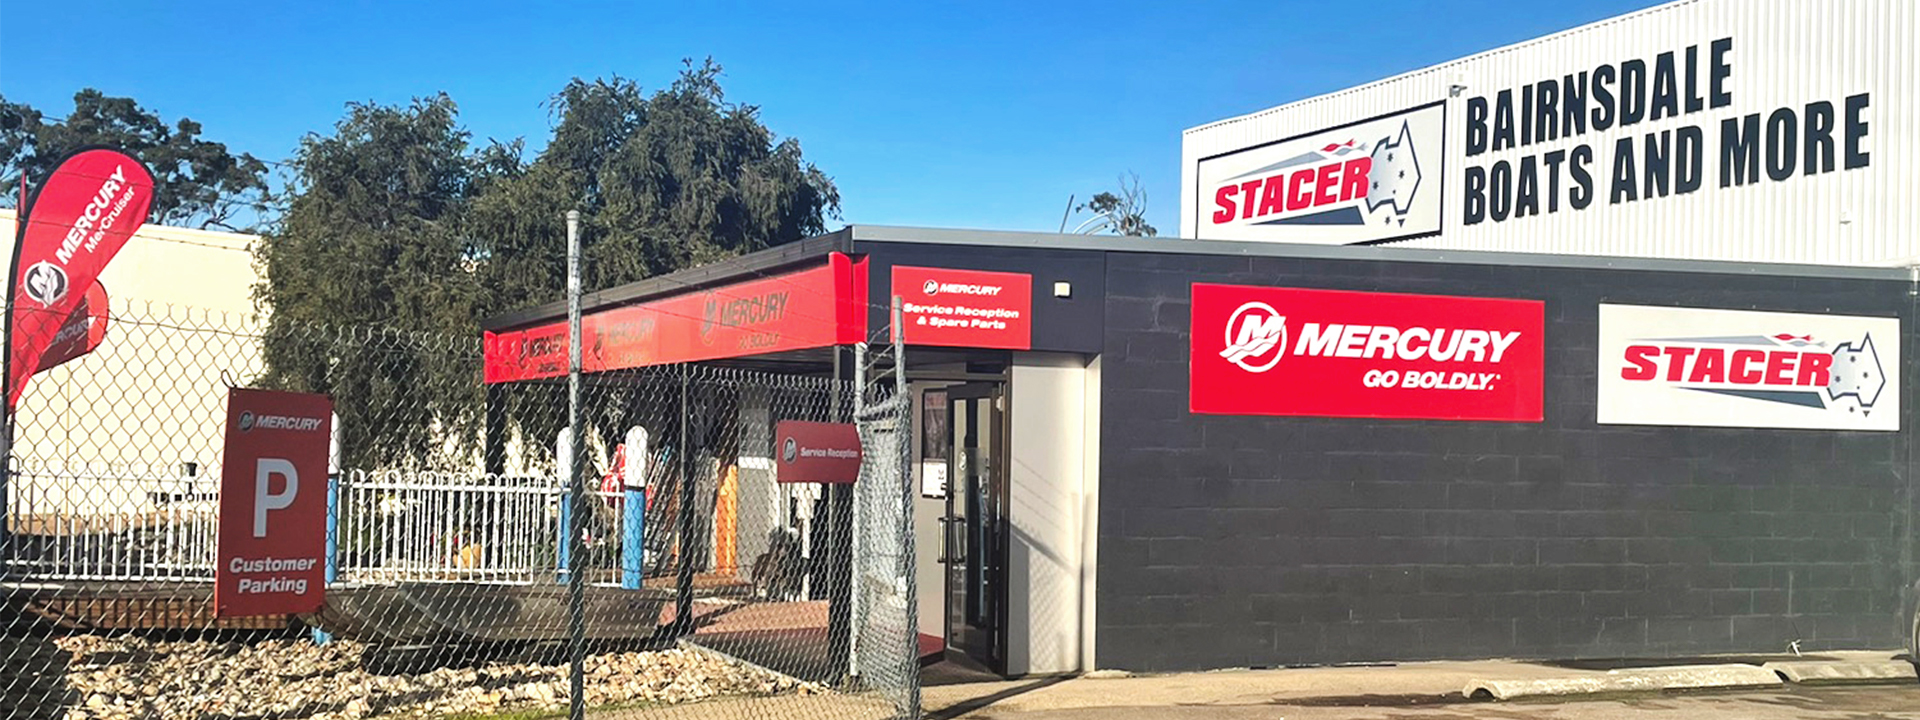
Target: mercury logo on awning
x,y
742,312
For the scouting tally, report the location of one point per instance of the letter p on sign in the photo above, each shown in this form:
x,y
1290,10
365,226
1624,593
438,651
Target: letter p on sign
x,y
273,537
264,498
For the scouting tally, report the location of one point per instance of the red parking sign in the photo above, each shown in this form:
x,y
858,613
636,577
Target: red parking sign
x,y
273,504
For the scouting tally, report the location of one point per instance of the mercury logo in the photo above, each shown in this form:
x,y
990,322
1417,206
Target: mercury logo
x,y
934,287
45,283
278,422
790,450
1255,331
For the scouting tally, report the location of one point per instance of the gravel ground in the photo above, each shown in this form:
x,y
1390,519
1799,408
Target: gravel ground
x,y
127,677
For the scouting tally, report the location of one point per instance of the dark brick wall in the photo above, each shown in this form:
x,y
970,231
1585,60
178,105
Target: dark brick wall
x,y
1231,541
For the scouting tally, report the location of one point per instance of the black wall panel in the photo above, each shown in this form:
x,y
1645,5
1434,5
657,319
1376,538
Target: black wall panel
x,y
1230,541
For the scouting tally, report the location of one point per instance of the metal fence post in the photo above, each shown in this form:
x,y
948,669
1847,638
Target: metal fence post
x,y
683,591
322,637
576,487
907,494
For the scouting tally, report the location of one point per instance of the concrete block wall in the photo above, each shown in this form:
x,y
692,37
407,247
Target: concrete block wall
x,y
1230,541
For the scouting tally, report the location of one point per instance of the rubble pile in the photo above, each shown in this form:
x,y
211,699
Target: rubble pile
x,y
130,677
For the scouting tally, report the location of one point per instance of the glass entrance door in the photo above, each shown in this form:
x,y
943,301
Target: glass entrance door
x,y
975,523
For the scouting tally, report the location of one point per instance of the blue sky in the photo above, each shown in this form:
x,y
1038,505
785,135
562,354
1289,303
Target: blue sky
x,y
981,114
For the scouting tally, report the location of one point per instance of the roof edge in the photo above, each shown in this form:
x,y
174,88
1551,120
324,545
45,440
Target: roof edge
x,y
1381,253
754,264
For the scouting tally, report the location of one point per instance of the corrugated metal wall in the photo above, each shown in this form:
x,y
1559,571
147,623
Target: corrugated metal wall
x,y
1786,54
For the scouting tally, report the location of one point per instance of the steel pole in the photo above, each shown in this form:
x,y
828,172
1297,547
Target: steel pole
x,y
905,566
576,488
683,580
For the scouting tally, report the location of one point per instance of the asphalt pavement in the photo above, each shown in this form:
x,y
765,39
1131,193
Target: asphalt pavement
x,y
1850,685
1791,703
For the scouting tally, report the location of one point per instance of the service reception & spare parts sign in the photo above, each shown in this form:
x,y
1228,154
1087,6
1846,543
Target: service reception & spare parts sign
x,y
273,504
1373,180
816,452
1331,353
1737,368
965,308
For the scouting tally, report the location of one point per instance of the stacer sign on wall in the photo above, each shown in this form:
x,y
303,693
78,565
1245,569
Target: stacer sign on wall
x,y
1366,181
1735,368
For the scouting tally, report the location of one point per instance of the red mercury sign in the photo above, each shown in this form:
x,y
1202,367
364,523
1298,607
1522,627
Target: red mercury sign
x,y
1331,353
273,504
816,452
964,308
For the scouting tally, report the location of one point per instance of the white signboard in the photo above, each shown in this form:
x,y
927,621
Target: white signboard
x,y
1736,368
1373,180
933,479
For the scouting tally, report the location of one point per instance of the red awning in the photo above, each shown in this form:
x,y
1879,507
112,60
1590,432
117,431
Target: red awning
x,y
815,307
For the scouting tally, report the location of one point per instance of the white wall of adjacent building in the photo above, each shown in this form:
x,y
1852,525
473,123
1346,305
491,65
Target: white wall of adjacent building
x,y
152,397
1800,70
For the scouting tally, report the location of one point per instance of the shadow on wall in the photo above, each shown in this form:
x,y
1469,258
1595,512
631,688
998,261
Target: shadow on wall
x,y
34,668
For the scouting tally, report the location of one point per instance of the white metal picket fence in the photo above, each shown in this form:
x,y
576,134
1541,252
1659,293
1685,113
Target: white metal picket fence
x,y
387,526
93,526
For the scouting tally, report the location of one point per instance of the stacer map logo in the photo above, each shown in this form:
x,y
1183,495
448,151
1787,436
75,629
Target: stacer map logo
x,y
1330,353
1376,179
1732,368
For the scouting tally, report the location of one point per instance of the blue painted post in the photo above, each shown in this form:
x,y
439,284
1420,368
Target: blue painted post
x,y
322,637
633,544
563,548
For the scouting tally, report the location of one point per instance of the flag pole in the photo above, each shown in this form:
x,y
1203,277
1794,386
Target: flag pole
x,y
6,369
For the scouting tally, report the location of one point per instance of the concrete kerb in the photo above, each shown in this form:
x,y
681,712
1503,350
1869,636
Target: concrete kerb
x,y
1859,672
1400,684
1634,680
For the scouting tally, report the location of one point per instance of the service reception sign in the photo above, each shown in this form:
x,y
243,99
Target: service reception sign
x,y
816,452
273,504
965,308
1737,368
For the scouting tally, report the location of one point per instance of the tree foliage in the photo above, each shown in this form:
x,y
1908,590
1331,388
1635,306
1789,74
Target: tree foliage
x,y
396,222
197,181
1120,214
663,181
367,279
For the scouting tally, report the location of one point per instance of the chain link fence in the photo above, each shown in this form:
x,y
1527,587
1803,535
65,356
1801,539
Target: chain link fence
x,y
711,588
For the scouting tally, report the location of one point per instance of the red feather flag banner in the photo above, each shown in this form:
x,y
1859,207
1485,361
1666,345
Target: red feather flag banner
x,y
80,218
82,333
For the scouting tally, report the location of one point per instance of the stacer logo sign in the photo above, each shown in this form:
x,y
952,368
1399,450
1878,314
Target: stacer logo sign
x,y
1328,353
1731,368
1376,179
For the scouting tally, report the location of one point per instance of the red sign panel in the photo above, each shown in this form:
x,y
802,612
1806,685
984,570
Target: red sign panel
x,y
817,307
1328,353
79,220
82,333
816,452
965,308
273,504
